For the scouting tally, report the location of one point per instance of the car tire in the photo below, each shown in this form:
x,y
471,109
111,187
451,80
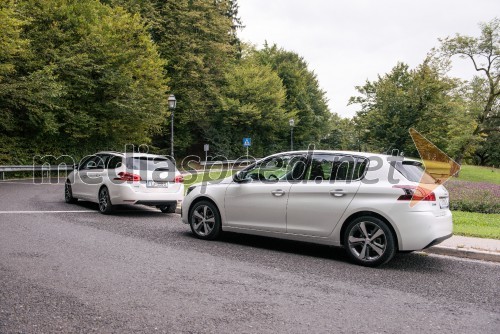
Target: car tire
x,y
68,194
105,205
168,208
205,221
369,241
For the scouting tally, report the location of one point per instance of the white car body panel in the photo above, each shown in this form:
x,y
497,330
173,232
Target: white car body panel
x,y
313,215
86,184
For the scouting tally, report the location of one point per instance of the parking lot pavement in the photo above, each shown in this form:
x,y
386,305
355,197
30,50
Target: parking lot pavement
x,y
67,268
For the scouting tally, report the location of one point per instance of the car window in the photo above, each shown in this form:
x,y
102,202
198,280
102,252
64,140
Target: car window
x,y
331,167
101,161
90,162
149,163
414,171
114,162
282,167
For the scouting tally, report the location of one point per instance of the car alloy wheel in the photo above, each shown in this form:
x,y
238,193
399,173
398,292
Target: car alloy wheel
x,y
104,201
369,241
205,220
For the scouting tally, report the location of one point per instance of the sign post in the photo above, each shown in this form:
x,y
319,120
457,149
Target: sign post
x,y
205,148
247,142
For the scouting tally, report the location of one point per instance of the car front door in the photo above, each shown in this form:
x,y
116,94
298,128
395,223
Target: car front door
x,y
79,186
316,205
258,200
90,177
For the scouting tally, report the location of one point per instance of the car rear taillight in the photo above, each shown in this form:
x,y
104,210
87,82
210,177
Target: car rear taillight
x,y
179,179
415,193
124,176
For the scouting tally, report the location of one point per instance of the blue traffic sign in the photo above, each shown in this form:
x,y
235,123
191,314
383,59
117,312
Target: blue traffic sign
x,y
247,142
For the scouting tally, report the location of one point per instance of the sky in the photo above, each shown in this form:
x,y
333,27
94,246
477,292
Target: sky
x,y
348,42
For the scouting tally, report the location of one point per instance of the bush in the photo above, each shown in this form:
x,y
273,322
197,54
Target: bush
x,y
469,196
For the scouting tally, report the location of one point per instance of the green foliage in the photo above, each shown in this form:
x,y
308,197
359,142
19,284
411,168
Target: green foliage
x,y
79,76
421,98
484,53
305,100
251,106
89,77
197,40
343,134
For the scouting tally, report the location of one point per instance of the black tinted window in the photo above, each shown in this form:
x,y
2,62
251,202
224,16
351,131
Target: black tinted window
x,y
331,167
283,167
149,163
414,171
114,162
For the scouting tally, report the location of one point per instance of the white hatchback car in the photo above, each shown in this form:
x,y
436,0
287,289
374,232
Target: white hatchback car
x,y
113,178
360,201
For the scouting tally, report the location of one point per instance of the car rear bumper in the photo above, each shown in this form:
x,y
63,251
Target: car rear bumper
x,y
128,194
438,240
419,230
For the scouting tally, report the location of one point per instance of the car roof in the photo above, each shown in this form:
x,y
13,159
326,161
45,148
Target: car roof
x,y
354,153
133,154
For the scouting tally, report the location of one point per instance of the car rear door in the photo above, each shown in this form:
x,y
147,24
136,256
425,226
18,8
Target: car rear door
x,y
316,205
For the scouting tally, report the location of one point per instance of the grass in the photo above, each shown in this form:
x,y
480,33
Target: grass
x,y
479,174
480,225
209,176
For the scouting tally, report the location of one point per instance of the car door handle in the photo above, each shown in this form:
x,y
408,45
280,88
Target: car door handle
x,y
278,192
337,192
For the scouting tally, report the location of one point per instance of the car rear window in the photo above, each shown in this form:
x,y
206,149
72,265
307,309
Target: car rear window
x,y
414,171
149,163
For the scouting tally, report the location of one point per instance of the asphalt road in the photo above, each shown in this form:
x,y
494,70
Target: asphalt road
x,y
142,271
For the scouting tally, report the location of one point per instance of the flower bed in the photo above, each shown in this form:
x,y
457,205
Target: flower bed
x,y
474,196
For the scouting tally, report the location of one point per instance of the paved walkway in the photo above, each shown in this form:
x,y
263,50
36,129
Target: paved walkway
x,y
468,247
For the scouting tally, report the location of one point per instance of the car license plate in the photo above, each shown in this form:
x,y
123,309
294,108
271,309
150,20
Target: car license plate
x,y
154,184
444,202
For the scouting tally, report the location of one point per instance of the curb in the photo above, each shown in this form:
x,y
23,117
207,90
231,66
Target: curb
x,y
464,253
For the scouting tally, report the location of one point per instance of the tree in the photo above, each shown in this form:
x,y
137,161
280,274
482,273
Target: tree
x,y
342,135
404,98
484,52
251,106
28,97
196,38
90,78
304,97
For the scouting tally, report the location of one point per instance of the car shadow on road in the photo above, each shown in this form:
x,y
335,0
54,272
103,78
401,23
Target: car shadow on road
x,y
123,210
411,262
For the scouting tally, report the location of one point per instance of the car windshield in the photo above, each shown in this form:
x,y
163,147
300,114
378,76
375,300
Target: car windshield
x,y
148,163
414,171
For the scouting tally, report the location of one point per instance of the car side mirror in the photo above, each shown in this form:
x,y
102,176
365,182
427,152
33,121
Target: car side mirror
x,y
238,178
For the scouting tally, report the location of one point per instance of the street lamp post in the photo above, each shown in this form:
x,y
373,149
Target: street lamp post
x,y
172,102
292,123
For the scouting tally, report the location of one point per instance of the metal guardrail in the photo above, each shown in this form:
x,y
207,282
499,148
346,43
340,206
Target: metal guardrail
x,y
68,168
228,162
34,168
